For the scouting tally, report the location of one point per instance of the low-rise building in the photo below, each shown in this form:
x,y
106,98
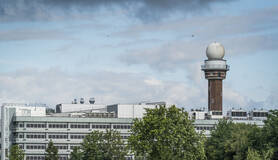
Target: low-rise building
x,y
31,128
237,114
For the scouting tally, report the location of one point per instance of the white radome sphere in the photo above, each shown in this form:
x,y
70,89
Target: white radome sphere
x,y
215,51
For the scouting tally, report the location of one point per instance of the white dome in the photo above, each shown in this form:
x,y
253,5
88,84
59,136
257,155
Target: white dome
x,y
215,51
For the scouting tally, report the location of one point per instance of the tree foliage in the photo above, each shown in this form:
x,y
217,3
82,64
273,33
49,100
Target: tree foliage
x,y
239,141
270,131
51,152
216,143
16,153
253,155
76,154
165,134
231,141
103,146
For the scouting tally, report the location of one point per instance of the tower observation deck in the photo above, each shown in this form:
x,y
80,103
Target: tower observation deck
x,y
215,69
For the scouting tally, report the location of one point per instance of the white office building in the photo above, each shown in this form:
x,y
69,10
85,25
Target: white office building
x,y
31,128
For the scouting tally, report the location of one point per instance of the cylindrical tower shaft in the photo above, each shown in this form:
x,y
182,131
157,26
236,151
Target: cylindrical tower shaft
x,y
215,95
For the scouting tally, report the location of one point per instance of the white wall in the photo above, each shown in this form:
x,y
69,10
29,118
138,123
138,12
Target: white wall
x,y
132,110
30,111
80,107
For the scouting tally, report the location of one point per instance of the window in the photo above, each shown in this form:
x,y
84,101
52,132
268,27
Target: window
x,y
35,136
123,126
61,146
30,157
80,125
77,136
57,125
124,137
63,158
21,146
18,135
74,145
35,146
204,128
216,113
100,126
58,136
36,125
239,114
260,114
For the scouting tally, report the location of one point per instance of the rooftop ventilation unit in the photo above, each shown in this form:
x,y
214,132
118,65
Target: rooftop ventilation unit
x,y
75,101
92,101
82,101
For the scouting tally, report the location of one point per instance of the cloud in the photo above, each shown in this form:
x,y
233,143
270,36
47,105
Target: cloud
x,y
56,9
33,34
272,99
233,98
54,86
212,26
240,35
167,57
270,102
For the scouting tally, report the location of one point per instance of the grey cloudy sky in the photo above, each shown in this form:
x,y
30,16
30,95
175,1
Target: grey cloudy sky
x,y
122,51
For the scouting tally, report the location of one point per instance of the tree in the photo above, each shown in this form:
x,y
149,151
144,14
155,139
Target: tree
x,y
16,153
236,147
253,155
216,143
270,131
165,134
103,146
76,154
51,152
235,141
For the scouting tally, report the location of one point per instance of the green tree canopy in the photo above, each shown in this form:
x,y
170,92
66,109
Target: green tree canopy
x,y
103,146
216,143
16,153
270,131
165,134
76,154
51,152
237,141
253,155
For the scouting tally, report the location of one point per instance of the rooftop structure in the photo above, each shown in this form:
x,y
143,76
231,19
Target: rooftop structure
x,y
258,114
132,110
198,114
237,114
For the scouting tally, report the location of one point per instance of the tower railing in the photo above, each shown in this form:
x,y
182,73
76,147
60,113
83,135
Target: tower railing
x,y
215,66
